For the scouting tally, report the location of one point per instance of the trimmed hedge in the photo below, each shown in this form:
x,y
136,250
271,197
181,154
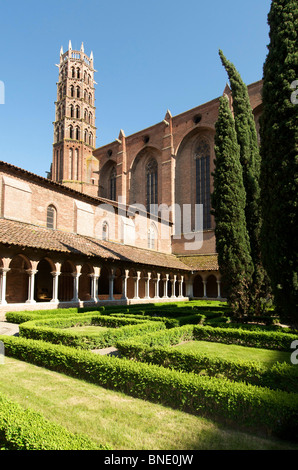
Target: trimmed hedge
x,y
51,329
280,376
24,316
257,339
26,429
247,406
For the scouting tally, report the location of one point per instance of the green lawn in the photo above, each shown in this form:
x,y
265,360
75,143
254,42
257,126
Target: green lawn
x,y
233,351
123,422
89,329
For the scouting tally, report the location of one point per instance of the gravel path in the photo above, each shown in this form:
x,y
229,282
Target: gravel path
x,y
10,329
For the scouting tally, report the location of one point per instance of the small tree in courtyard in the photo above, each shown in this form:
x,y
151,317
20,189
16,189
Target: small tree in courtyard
x,y
250,161
279,152
228,202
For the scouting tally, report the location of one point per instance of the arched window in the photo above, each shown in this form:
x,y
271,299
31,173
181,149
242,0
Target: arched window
x,y
71,110
90,118
85,114
57,134
70,132
78,112
78,92
77,133
72,91
78,72
86,136
105,231
73,72
202,158
90,139
152,237
151,184
70,165
51,217
113,180
90,98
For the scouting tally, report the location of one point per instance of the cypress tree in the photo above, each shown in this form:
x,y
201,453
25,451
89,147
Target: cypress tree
x,y
228,202
251,162
279,152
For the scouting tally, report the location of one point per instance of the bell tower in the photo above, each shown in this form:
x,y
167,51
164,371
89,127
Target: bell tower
x,y
74,126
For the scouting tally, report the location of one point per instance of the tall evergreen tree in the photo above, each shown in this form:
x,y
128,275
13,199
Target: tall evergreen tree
x,y
228,202
279,152
251,162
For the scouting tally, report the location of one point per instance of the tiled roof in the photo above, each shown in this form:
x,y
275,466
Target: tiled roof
x,y
201,262
26,235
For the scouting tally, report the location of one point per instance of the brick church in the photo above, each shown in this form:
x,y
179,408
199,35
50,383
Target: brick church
x,y
128,222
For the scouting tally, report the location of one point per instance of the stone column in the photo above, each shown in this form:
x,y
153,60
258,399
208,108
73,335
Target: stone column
x,y
147,286
4,271
205,288
218,289
165,286
94,287
136,285
156,286
55,275
124,284
181,287
75,287
31,284
111,286
173,281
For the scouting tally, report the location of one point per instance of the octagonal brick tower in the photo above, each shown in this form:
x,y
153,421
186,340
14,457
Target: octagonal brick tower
x,y
74,126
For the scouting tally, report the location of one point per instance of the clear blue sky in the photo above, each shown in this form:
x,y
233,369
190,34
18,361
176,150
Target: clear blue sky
x,y
150,56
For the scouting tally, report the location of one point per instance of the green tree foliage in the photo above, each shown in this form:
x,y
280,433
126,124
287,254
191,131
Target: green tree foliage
x,y
251,162
279,152
228,202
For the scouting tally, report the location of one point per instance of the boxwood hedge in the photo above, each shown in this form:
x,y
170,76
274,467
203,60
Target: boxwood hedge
x,y
280,376
246,406
53,329
26,429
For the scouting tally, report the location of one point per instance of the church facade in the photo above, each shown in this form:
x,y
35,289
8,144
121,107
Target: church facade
x,y
126,222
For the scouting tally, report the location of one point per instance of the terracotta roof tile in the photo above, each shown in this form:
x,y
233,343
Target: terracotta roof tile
x,y
31,236
201,262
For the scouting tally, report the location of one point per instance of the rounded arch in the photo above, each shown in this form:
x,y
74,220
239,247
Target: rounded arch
x,y
85,282
66,281
17,280
211,286
44,280
198,288
51,216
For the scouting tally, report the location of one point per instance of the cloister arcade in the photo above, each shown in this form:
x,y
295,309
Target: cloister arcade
x,y
24,280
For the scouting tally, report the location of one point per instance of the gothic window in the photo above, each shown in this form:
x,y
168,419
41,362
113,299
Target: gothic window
x,y
151,184
72,91
90,139
85,95
90,98
90,118
70,132
57,134
85,114
73,72
78,92
85,136
70,166
71,110
77,133
85,76
78,72
51,217
202,159
105,231
75,165
113,180
78,112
